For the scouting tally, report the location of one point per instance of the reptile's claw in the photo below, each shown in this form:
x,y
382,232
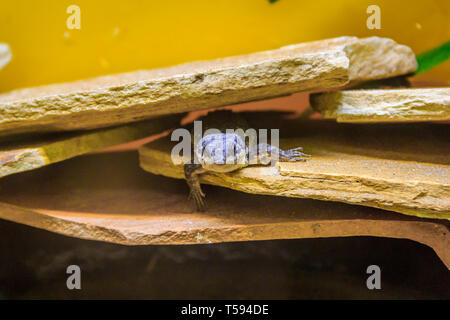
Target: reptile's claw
x,y
293,155
199,199
299,154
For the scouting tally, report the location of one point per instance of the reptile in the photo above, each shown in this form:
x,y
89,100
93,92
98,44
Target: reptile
x,y
226,152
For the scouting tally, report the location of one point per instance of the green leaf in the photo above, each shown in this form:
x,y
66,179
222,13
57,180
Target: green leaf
x,y
430,59
273,1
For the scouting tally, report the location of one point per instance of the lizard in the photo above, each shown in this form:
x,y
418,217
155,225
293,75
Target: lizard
x,y
226,152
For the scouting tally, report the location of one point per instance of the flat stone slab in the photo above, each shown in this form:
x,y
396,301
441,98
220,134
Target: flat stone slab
x,y
107,197
403,168
384,105
39,151
139,95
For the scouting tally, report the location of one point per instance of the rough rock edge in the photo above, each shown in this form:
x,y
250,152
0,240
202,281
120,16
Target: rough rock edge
x,y
159,162
430,233
431,104
370,58
182,93
45,152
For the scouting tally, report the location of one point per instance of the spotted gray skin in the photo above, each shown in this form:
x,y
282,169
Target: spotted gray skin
x,y
226,152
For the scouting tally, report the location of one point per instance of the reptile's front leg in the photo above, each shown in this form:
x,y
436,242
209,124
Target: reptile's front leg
x,y
191,173
263,153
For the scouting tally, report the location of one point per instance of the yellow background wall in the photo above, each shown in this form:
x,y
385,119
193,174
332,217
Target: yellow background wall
x,y
119,36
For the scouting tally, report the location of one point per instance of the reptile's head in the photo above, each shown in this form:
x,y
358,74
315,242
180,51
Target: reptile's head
x,y
221,152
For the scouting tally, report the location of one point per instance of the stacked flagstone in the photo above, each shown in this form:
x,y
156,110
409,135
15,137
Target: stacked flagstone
x,y
386,105
107,197
402,168
118,99
370,166
128,97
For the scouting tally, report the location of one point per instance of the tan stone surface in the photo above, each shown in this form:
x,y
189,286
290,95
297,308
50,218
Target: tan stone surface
x,y
139,95
107,197
384,105
404,168
370,58
39,151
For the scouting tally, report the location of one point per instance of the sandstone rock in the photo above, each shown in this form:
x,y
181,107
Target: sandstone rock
x,y
107,197
384,105
128,97
22,156
399,168
370,58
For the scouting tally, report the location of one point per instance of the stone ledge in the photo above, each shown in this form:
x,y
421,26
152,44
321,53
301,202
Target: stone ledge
x,y
139,95
399,105
107,197
369,166
39,151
